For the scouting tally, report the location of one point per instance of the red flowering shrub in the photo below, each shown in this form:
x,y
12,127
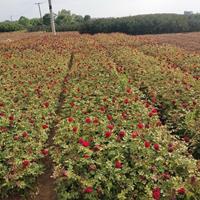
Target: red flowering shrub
x,y
129,156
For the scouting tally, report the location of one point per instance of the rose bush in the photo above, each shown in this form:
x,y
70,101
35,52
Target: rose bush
x,y
118,151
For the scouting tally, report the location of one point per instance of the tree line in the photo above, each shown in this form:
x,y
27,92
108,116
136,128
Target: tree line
x,y
65,21
134,25
144,24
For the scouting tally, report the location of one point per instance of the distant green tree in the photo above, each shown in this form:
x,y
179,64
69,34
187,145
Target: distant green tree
x,y
47,19
24,21
87,18
64,17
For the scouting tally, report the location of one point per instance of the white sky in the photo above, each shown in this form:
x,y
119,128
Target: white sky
x,y
96,8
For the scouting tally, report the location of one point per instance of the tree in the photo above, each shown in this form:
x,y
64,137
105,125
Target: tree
x,y
24,21
64,17
47,19
87,18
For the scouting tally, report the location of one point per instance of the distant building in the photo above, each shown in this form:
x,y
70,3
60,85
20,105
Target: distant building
x,y
188,13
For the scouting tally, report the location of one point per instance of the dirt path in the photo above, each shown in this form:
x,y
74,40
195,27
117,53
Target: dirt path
x,y
46,183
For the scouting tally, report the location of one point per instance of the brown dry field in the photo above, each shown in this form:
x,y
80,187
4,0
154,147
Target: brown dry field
x,y
187,41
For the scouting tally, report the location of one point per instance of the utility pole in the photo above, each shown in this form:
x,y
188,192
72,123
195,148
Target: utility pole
x,y
52,18
11,18
39,9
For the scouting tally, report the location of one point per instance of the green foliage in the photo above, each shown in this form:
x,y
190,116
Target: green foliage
x,y
25,22
10,26
144,24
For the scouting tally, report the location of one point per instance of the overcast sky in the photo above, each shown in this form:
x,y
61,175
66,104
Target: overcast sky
x,y
96,8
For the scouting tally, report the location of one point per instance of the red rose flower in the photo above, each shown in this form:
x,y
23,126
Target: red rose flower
x,y
109,117
150,114
75,129
156,147
134,134
147,144
102,109
25,163
154,110
156,193
108,134
129,91
124,115
81,140
45,126
46,104
24,134
88,120
88,190
140,125
72,104
11,118
126,101
86,156
85,143
110,126
96,121
181,191
166,175
122,134
118,164
45,152
70,119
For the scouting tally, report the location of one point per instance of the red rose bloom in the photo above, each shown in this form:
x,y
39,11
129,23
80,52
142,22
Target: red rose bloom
x,y
181,191
129,91
140,125
45,152
108,134
118,164
81,140
109,117
156,193
86,156
156,147
122,134
88,190
102,109
126,101
25,163
25,134
45,126
86,143
134,134
75,129
88,120
70,119
110,126
147,144
11,118
154,110
96,121
46,104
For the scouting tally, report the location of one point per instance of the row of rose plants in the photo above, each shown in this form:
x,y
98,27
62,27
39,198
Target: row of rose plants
x,y
173,92
188,62
176,57
110,144
31,74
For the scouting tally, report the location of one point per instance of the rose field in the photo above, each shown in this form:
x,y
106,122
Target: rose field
x,y
107,117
